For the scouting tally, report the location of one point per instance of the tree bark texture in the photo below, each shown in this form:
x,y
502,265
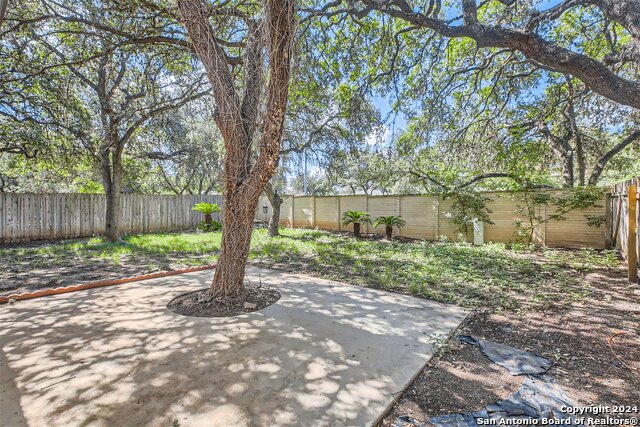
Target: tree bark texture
x,y
111,168
238,117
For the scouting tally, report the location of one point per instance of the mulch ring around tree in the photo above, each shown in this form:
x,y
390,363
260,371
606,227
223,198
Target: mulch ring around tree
x,y
250,299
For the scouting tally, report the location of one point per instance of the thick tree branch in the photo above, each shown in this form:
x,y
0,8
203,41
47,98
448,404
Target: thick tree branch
x,y
281,16
602,161
254,81
195,17
3,10
596,75
168,106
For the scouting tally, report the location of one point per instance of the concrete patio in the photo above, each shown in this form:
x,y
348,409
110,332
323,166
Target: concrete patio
x,y
326,354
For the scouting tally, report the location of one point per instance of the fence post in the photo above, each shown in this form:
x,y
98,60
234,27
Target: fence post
x,y
607,220
339,215
632,230
544,230
313,213
366,209
293,211
399,214
437,221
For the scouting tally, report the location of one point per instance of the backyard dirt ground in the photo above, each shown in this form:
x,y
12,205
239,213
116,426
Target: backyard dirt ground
x,y
576,336
25,273
460,378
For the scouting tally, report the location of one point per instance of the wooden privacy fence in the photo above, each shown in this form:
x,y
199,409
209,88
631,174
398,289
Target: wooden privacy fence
x,y
625,216
428,217
26,216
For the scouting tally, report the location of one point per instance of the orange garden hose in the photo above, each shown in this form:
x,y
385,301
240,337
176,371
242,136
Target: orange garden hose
x,y
99,284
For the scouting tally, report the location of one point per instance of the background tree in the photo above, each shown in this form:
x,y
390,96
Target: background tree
x,y
363,171
531,32
121,85
185,151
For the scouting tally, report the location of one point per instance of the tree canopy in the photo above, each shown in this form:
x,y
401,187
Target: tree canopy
x,y
545,92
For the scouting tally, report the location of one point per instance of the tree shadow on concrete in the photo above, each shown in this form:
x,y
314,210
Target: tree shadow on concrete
x,y
324,354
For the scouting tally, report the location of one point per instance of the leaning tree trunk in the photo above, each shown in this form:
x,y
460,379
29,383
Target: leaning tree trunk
x,y
274,221
563,150
111,167
276,202
602,161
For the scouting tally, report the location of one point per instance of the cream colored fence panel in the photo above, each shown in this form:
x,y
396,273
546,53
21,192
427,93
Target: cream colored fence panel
x,y
502,207
382,206
352,203
327,213
421,216
575,232
286,211
303,212
445,227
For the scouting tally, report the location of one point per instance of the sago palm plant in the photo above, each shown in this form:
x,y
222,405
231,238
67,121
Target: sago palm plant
x,y
207,209
356,218
389,222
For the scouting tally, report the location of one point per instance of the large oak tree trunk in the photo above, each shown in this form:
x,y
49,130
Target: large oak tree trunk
x,y
238,118
234,250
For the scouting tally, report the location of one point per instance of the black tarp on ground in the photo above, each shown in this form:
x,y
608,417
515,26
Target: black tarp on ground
x,y
537,398
516,361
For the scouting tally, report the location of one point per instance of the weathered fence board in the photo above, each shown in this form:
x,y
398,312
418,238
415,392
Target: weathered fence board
x,y
27,216
624,217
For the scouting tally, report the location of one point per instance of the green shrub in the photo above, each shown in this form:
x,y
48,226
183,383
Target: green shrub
x,y
209,227
356,218
207,209
389,222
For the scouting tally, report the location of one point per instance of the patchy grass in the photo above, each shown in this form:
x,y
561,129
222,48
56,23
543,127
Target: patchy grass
x,y
490,275
136,245
473,276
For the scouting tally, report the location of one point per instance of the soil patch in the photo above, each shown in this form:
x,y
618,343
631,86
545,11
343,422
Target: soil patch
x,y
20,273
576,338
251,299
